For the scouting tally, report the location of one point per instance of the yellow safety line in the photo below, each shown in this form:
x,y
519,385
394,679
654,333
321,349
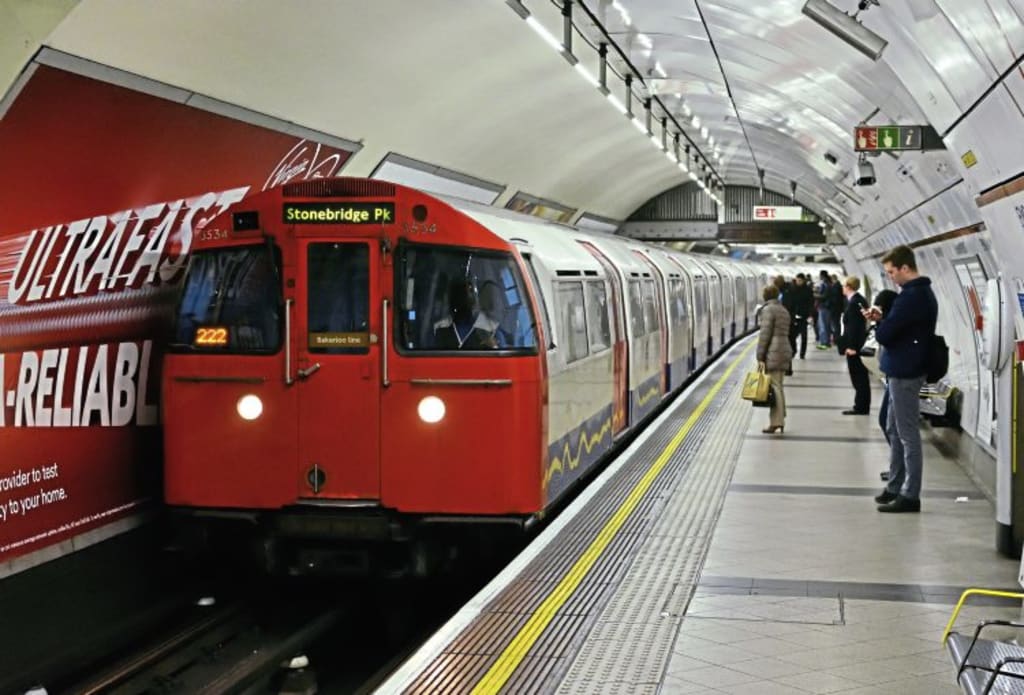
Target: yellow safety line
x,y
516,651
969,592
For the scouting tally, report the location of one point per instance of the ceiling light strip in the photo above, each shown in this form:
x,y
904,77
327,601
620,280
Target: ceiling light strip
x,y
625,59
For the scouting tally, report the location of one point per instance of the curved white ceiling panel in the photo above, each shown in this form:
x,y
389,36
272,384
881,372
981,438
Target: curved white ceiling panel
x,y
468,86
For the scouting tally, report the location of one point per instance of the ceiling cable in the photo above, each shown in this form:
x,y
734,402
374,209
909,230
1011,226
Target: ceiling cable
x,y
725,81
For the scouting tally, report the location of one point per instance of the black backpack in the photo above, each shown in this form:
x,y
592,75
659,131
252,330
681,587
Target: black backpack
x,y
936,359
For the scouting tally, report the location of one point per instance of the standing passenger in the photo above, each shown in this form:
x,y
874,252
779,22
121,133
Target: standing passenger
x,y
824,312
905,334
855,332
774,353
799,302
883,302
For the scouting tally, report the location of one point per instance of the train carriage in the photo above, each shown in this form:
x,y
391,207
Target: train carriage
x,y
356,363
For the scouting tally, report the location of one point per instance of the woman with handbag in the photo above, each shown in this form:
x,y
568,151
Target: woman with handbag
x,y
774,353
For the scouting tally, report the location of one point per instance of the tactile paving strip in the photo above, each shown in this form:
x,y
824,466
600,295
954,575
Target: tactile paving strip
x,y
629,647
677,513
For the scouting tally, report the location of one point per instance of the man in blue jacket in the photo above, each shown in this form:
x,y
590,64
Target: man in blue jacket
x,y
904,333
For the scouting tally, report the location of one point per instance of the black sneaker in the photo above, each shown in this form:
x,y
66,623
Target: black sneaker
x,y
901,504
886,497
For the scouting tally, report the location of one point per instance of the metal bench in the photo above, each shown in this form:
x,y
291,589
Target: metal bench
x,y
986,666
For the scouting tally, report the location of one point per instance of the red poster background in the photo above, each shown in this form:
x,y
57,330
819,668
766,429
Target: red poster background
x,y
76,148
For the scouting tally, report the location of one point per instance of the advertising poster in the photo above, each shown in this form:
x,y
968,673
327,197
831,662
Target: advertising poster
x,y
101,187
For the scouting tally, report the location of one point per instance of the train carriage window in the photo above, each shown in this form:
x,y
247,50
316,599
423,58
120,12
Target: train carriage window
x,y
636,309
338,298
597,317
231,301
469,300
540,298
572,312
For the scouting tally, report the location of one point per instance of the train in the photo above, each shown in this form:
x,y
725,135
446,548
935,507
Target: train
x,y
360,372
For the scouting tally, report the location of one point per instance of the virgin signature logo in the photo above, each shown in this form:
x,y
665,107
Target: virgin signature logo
x,y
305,161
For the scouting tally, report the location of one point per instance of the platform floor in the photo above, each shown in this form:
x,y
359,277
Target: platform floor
x,y
754,564
799,530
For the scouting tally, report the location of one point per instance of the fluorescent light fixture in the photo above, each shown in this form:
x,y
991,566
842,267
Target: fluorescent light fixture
x,y
695,122
687,110
694,177
683,168
639,126
578,67
622,12
711,141
671,157
660,70
518,7
846,28
656,141
704,132
616,102
543,32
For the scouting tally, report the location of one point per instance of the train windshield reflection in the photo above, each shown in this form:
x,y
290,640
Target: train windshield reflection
x,y
231,301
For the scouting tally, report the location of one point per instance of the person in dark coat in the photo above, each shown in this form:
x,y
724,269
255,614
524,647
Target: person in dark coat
x,y
834,297
855,332
905,334
799,302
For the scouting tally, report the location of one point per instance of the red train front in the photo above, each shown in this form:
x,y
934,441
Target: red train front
x,y
335,377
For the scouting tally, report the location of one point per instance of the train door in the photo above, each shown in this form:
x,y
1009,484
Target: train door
x,y
337,361
620,398
659,304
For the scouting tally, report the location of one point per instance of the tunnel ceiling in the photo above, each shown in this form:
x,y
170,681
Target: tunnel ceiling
x,y
796,91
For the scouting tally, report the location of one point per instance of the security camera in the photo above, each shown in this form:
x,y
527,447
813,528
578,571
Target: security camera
x,y
865,174
831,158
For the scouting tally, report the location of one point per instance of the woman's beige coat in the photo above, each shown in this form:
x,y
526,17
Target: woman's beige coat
x,y
773,346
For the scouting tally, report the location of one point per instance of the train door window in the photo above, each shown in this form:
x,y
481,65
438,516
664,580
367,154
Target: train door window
x,y
572,311
540,298
338,298
636,309
597,317
231,301
650,307
677,297
451,298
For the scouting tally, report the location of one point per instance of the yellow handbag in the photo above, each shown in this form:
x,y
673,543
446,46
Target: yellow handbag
x,y
756,386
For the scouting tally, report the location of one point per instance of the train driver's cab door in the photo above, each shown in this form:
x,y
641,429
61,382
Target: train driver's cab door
x,y
337,370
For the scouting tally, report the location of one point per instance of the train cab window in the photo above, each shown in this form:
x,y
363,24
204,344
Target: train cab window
x,y
461,299
338,298
597,317
230,301
636,309
573,315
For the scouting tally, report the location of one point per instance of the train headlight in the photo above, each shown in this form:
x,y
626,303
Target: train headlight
x,y
249,407
431,409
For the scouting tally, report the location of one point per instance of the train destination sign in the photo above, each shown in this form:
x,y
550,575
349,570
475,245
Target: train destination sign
x,y
891,138
339,213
